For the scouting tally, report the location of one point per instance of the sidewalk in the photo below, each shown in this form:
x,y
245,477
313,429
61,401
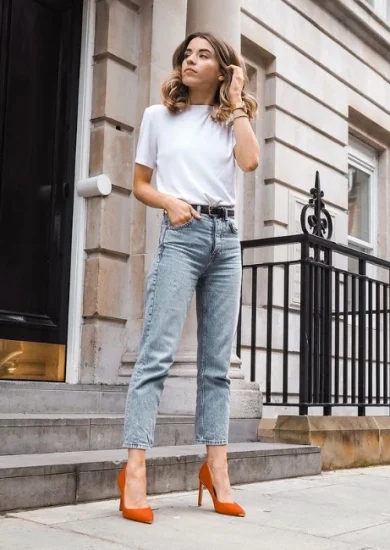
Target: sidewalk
x,y
345,510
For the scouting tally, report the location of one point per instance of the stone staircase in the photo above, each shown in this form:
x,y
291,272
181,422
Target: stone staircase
x,y
60,433
53,452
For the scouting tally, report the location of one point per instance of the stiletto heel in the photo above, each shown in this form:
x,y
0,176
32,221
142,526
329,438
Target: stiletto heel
x,y
227,508
200,494
143,515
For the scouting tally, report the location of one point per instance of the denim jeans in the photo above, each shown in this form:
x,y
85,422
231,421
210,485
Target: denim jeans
x,y
203,256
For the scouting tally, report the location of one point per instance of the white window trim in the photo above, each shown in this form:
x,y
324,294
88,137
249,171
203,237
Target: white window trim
x,y
382,8
365,158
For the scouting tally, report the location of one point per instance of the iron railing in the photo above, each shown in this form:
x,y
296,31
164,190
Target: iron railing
x,y
315,326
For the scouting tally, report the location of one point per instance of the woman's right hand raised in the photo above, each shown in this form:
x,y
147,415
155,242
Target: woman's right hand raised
x,y
180,212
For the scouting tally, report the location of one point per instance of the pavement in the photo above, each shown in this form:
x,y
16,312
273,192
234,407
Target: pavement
x,y
343,510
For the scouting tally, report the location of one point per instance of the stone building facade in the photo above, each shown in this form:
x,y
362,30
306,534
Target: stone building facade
x,y
321,72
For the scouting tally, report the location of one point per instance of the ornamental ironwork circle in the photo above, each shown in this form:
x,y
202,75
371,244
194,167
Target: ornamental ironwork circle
x,y
320,222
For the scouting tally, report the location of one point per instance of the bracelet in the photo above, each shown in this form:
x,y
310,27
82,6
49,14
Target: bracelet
x,y
240,116
236,106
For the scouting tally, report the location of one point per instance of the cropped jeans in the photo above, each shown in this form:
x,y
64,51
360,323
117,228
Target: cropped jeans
x,y
203,256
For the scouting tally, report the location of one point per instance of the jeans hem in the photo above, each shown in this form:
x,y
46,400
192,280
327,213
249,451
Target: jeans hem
x,y
140,446
212,442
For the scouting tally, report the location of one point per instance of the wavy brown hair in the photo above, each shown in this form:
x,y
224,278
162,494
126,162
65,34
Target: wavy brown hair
x,y
175,94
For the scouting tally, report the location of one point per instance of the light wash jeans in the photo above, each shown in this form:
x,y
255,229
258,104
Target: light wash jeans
x,y
202,255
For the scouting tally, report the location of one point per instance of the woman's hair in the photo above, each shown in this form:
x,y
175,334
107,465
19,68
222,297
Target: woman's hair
x,y
175,94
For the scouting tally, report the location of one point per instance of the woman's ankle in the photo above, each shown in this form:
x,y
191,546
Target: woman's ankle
x,y
136,460
136,470
217,456
217,464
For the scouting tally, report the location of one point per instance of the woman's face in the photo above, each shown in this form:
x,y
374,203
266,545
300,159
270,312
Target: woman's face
x,y
200,67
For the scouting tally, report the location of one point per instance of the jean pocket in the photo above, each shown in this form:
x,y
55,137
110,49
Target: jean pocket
x,y
233,227
176,227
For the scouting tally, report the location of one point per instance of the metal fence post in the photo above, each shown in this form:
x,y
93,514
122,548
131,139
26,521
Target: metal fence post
x,y
327,332
362,339
304,331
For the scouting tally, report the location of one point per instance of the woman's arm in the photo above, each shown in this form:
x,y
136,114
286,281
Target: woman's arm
x,y
143,191
246,150
179,212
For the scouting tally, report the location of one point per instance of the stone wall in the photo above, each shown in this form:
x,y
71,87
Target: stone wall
x,y
345,442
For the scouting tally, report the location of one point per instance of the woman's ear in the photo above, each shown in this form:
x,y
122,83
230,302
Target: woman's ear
x,y
221,77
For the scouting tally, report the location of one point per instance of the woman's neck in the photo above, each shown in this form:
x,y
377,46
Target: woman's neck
x,y
201,99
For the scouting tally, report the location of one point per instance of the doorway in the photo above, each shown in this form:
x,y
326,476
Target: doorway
x,y
39,74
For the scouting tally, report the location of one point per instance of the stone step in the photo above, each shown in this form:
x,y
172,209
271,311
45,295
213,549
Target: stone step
x,y
266,430
38,480
56,433
59,397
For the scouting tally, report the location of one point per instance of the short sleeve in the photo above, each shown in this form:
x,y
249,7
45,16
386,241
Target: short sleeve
x,y
147,142
232,137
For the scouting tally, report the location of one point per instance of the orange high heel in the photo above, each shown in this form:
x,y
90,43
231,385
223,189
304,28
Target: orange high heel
x,y
227,508
143,515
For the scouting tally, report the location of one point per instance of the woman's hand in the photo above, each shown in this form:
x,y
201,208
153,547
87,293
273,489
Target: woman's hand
x,y
180,212
236,84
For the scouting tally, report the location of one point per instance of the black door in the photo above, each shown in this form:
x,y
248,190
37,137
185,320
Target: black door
x,y
39,71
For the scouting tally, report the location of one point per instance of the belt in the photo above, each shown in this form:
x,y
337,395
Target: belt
x,y
219,211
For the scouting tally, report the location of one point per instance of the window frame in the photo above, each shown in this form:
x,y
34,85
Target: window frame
x,y
365,158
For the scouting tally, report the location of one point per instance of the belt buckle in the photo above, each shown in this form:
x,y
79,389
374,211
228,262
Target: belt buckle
x,y
222,211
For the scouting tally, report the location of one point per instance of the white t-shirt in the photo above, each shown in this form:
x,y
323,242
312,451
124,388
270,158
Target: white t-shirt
x,y
192,154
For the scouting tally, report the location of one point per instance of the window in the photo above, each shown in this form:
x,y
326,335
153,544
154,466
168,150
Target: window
x,y
359,205
362,184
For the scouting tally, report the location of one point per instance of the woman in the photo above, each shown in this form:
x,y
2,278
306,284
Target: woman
x,y
193,141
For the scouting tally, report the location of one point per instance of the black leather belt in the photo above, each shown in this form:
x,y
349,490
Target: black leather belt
x,y
219,211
